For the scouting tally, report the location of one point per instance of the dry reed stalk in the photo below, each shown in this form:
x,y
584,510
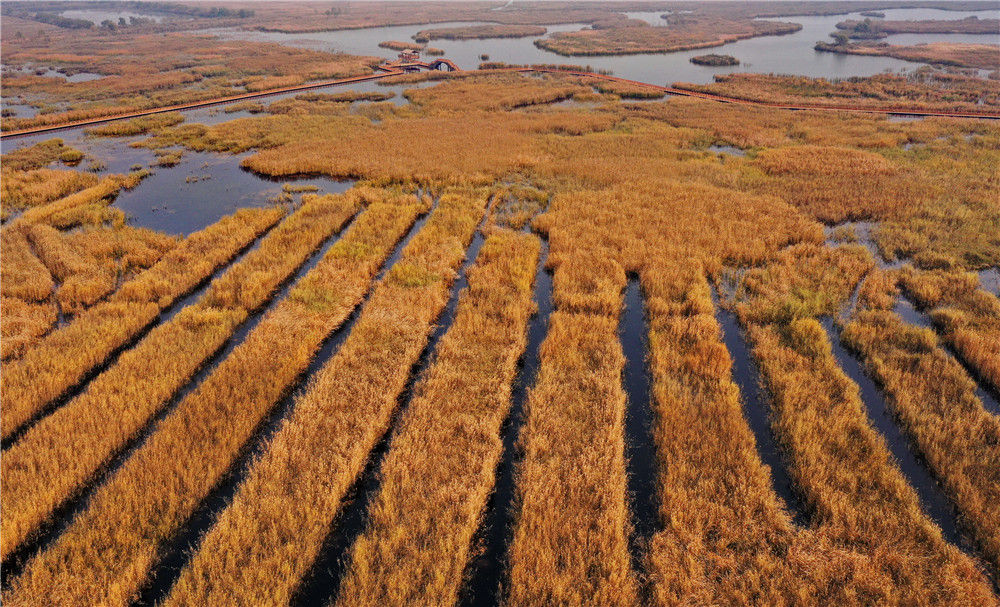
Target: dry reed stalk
x,y
22,274
21,189
22,323
106,554
284,508
103,190
66,355
83,282
440,469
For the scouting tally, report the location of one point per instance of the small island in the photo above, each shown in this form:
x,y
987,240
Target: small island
x,y
878,14
715,60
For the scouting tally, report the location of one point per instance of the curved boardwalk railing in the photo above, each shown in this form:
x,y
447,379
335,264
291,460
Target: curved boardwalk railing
x,y
398,68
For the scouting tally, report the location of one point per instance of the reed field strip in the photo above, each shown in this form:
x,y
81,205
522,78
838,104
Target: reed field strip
x,y
936,403
487,564
417,542
66,356
968,317
54,459
37,187
194,445
81,281
102,190
324,443
570,543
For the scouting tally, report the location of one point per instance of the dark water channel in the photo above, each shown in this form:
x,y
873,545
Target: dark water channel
x,y
486,572
640,448
757,408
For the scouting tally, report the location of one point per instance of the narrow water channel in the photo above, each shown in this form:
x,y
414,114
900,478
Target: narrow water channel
x,y
486,573
756,409
933,500
640,448
321,583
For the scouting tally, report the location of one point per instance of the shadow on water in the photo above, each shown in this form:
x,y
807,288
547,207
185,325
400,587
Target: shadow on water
x,y
67,511
320,585
165,315
931,495
177,551
912,315
486,571
640,448
756,409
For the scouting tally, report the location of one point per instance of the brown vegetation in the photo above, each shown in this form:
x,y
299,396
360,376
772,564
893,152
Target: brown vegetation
x,y
144,70
930,90
982,56
418,541
683,33
936,403
397,45
310,463
570,540
68,354
854,492
969,25
968,316
53,460
479,31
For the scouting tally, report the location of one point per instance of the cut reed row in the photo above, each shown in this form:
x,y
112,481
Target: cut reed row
x,y
570,542
22,274
854,491
441,466
58,455
66,355
22,323
282,512
935,401
82,282
727,539
968,316
108,551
